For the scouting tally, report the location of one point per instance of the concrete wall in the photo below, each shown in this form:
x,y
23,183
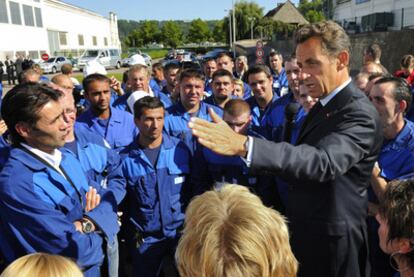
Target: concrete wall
x,y
394,45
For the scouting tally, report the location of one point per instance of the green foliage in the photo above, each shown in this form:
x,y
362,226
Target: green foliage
x,y
149,31
219,35
156,53
312,10
244,12
171,34
198,31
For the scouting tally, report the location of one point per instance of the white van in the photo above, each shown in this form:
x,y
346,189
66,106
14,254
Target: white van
x,y
106,57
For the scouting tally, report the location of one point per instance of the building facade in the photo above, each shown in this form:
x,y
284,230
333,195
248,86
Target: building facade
x,y
34,27
345,11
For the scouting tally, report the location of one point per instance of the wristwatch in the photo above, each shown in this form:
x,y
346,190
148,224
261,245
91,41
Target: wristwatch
x,y
87,226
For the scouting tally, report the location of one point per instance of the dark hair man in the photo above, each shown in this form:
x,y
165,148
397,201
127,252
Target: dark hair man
x,y
47,203
115,126
329,167
156,167
209,67
190,105
262,102
222,88
280,82
392,98
225,61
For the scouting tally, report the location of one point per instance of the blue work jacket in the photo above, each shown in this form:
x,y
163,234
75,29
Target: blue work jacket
x,y
280,82
397,156
119,132
157,196
259,119
39,205
176,122
100,163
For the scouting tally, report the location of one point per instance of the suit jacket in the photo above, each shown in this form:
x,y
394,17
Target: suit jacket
x,y
328,173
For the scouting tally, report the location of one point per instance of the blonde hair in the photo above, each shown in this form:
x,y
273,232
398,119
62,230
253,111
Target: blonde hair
x,y
41,264
229,233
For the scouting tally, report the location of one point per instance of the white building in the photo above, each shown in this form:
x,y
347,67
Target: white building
x,y
35,27
353,11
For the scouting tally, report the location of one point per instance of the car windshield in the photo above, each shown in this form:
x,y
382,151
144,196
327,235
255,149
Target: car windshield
x,y
51,60
90,53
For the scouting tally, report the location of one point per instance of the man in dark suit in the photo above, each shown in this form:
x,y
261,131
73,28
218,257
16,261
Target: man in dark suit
x,y
329,169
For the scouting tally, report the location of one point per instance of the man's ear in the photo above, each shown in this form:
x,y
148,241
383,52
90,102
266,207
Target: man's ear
x,y
23,129
402,106
343,60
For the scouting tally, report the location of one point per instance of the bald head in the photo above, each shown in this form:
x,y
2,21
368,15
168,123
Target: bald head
x,y
63,81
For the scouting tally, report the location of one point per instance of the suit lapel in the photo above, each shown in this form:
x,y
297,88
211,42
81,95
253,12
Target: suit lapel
x,y
322,113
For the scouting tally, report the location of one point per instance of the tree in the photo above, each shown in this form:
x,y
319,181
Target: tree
x,y
134,39
171,34
149,31
198,31
244,12
312,10
218,32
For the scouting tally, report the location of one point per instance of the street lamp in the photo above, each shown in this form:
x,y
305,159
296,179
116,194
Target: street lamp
x,y
251,19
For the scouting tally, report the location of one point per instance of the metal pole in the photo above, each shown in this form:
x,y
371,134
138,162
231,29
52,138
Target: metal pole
x,y
251,27
230,32
234,30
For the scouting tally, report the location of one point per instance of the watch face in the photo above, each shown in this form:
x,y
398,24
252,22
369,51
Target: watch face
x,y
87,226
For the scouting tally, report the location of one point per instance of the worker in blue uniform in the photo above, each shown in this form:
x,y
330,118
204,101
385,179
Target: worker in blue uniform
x,y
263,100
222,88
115,126
47,203
215,170
392,98
156,167
280,81
100,163
191,91
225,61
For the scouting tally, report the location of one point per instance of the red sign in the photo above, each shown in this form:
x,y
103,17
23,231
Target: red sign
x,y
259,53
45,57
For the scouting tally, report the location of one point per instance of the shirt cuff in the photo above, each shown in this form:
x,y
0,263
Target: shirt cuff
x,y
248,159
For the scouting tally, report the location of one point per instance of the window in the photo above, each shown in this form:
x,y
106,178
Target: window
x,y
28,15
94,41
361,1
342,1
38,14
34,54
15,13
80,40
62,38
106,41
4,17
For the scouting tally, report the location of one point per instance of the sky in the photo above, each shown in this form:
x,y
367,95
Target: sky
x,y
167,9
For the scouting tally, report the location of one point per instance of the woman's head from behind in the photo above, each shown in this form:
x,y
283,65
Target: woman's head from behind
x,y
230,232
41,264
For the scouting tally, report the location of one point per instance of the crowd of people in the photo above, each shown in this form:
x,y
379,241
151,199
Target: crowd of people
x,y
293,168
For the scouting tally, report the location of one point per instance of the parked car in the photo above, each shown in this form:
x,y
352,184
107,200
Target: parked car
x,y
213,53
54,64
106,57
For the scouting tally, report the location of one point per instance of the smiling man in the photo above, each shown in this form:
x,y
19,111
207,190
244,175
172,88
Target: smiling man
x,y
328,171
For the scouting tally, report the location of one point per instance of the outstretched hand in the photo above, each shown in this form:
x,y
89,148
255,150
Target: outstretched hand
x,y
218,136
